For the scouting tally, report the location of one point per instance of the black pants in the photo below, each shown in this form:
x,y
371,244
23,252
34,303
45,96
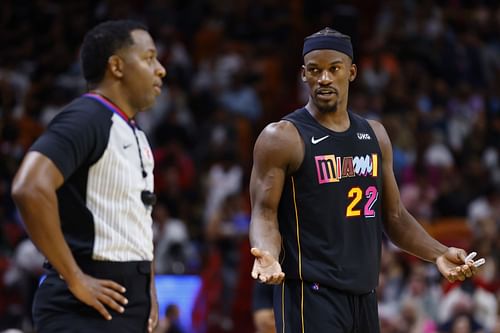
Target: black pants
x,y
56,310
311,308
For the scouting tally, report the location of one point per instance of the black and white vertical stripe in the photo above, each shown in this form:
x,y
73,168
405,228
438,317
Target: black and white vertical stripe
x,y
100,208
122,222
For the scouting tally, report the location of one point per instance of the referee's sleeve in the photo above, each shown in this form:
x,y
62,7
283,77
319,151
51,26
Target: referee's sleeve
x,y
74,138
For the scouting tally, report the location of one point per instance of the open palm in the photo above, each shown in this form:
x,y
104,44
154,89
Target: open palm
x,y
266,268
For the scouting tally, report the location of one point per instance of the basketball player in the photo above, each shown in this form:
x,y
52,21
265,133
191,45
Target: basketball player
x,y
322,190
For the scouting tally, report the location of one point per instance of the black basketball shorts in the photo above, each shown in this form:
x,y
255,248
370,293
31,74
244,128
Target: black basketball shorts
x,y
301,307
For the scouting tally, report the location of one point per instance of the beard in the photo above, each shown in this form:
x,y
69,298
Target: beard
x,y
326,107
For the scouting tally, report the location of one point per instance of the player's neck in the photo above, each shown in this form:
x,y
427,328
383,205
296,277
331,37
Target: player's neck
x,y
335,120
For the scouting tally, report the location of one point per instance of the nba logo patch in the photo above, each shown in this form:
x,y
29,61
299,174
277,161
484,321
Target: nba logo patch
x,y
315,286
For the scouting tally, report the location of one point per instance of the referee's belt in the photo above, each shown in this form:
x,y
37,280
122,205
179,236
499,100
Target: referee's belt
x,y
90,266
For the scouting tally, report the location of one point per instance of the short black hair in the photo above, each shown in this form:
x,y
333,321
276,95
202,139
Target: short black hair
x,y
101,42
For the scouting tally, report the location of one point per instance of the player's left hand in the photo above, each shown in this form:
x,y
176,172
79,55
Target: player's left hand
x,y
153,314
453,266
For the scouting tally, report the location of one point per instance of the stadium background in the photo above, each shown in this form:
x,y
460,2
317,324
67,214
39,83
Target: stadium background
x,y
429,70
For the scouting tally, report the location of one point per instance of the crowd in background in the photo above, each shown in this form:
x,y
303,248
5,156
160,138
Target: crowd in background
x,y
428,70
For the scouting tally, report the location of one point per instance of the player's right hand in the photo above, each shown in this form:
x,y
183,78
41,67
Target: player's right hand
x,y
99,294
266,268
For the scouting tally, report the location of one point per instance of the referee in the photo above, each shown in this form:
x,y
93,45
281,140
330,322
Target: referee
x,y
85,192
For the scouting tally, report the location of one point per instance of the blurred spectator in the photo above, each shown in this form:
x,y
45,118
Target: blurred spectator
x,y
240,98
419,197
174,253
391,283
170,323
224,177
425,296
413,319
376,77
464,110
24,275
487,206
469,301
225,230
461,323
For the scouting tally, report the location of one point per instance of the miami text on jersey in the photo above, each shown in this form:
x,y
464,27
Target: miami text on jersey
x,y
331,168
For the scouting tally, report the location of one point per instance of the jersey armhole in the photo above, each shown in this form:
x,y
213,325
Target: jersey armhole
x,y
306,149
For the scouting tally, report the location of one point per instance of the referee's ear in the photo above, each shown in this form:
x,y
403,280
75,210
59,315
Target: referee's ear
x,y
115,66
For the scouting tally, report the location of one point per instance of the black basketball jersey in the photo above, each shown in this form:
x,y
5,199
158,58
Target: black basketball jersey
x,y
330,209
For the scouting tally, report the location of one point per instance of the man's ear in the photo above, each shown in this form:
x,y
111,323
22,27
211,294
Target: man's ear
x,y
303,74
115,66
353,72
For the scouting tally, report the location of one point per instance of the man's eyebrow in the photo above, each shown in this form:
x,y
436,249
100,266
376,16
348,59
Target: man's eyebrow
x,y
335,62
150,52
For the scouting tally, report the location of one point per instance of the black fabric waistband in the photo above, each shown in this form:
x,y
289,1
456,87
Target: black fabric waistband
x,y
317,285
91,267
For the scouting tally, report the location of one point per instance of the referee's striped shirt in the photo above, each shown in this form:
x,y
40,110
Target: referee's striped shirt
x,y
92,143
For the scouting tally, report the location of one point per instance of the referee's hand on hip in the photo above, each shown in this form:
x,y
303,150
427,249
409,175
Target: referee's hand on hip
x,y
99,294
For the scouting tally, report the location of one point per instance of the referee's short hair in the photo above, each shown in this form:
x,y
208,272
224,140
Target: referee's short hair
x,y
101,42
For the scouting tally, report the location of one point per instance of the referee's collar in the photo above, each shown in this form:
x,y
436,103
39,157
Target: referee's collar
x,y
111,106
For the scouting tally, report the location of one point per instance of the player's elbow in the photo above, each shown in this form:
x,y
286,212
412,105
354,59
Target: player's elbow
x,y
393,220
19,192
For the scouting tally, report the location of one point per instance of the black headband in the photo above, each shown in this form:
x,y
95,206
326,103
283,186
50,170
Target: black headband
x,y
327,42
